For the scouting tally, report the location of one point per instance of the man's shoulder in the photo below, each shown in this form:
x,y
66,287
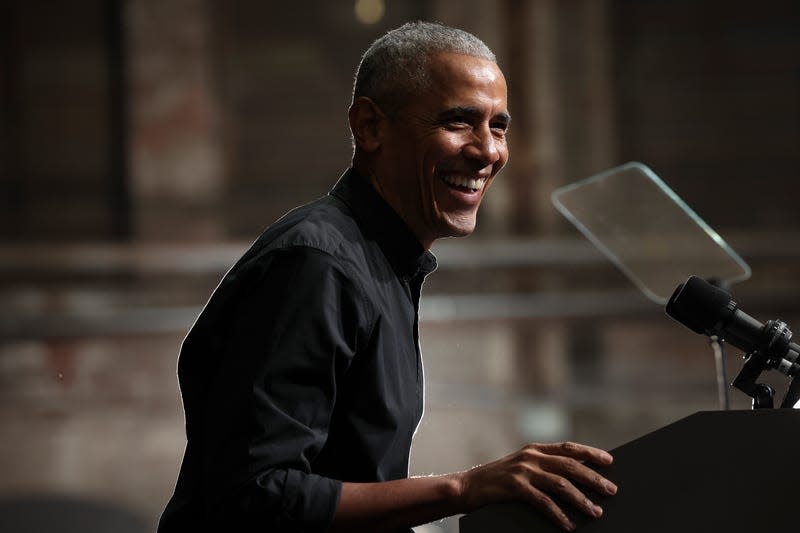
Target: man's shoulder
x,y
325,225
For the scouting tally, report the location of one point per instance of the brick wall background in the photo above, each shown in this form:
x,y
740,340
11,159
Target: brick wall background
x,y
144,144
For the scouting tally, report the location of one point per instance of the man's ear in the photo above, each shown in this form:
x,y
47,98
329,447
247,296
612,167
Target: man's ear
x,y
365,123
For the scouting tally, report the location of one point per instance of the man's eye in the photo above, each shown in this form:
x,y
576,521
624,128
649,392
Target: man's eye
x,y
500,130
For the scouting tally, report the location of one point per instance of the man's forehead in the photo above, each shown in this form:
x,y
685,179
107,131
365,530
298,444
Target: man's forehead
x,y
467,84
450,72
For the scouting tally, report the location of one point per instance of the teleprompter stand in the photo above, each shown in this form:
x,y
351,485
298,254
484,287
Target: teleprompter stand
x,y
731,471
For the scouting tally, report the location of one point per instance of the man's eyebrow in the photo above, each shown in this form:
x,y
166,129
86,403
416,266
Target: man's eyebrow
x,y
471,113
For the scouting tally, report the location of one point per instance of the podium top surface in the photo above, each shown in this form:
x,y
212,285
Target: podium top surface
x,y
732,471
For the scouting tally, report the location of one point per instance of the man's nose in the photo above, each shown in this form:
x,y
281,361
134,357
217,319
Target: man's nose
x,y
484,147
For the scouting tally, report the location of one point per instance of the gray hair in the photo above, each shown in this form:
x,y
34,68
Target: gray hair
x,y
395,66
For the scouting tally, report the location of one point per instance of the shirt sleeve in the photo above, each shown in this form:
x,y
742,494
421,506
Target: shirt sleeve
x,y
290,331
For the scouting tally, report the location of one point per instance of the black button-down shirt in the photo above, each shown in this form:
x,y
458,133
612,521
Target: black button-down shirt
x,y
303,370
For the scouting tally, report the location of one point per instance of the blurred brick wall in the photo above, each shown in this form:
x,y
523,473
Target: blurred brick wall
x,y
236,113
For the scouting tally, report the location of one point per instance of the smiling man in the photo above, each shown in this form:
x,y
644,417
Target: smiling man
x,y
434,151
302,378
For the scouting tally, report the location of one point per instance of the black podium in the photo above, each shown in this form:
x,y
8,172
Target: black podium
x,y
724,471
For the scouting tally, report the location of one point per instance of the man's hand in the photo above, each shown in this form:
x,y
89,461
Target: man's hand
x,y
535,474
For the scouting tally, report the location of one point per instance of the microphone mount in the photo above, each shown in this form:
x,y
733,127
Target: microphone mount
x,y
710,310
773,352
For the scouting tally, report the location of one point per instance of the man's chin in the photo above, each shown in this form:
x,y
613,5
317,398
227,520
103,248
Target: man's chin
x,y
459,228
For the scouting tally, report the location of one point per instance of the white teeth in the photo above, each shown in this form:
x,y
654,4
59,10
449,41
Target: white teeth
x,y
470,183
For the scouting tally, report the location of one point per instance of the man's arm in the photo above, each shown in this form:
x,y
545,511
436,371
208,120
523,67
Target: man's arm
x,y
272,361
267,408
533,475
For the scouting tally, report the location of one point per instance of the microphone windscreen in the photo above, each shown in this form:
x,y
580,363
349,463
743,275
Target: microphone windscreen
x,y
699,305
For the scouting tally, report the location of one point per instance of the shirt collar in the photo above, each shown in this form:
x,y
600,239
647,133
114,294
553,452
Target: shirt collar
x,y
377,219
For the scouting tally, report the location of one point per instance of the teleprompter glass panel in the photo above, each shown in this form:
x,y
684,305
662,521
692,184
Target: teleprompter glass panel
x,y
644,228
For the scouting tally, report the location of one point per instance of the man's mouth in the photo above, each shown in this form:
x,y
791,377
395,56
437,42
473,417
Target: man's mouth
x,y
464,183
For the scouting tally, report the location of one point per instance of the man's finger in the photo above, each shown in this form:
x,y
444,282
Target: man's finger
x,y
574,470
569,493
577,451
548,507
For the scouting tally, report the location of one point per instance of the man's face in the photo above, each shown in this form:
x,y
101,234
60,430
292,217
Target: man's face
x,y
440,152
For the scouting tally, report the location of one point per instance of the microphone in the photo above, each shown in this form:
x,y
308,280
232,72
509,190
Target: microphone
x,y
709,310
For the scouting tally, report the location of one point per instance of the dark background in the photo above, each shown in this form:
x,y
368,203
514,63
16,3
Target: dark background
x,y
145,143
